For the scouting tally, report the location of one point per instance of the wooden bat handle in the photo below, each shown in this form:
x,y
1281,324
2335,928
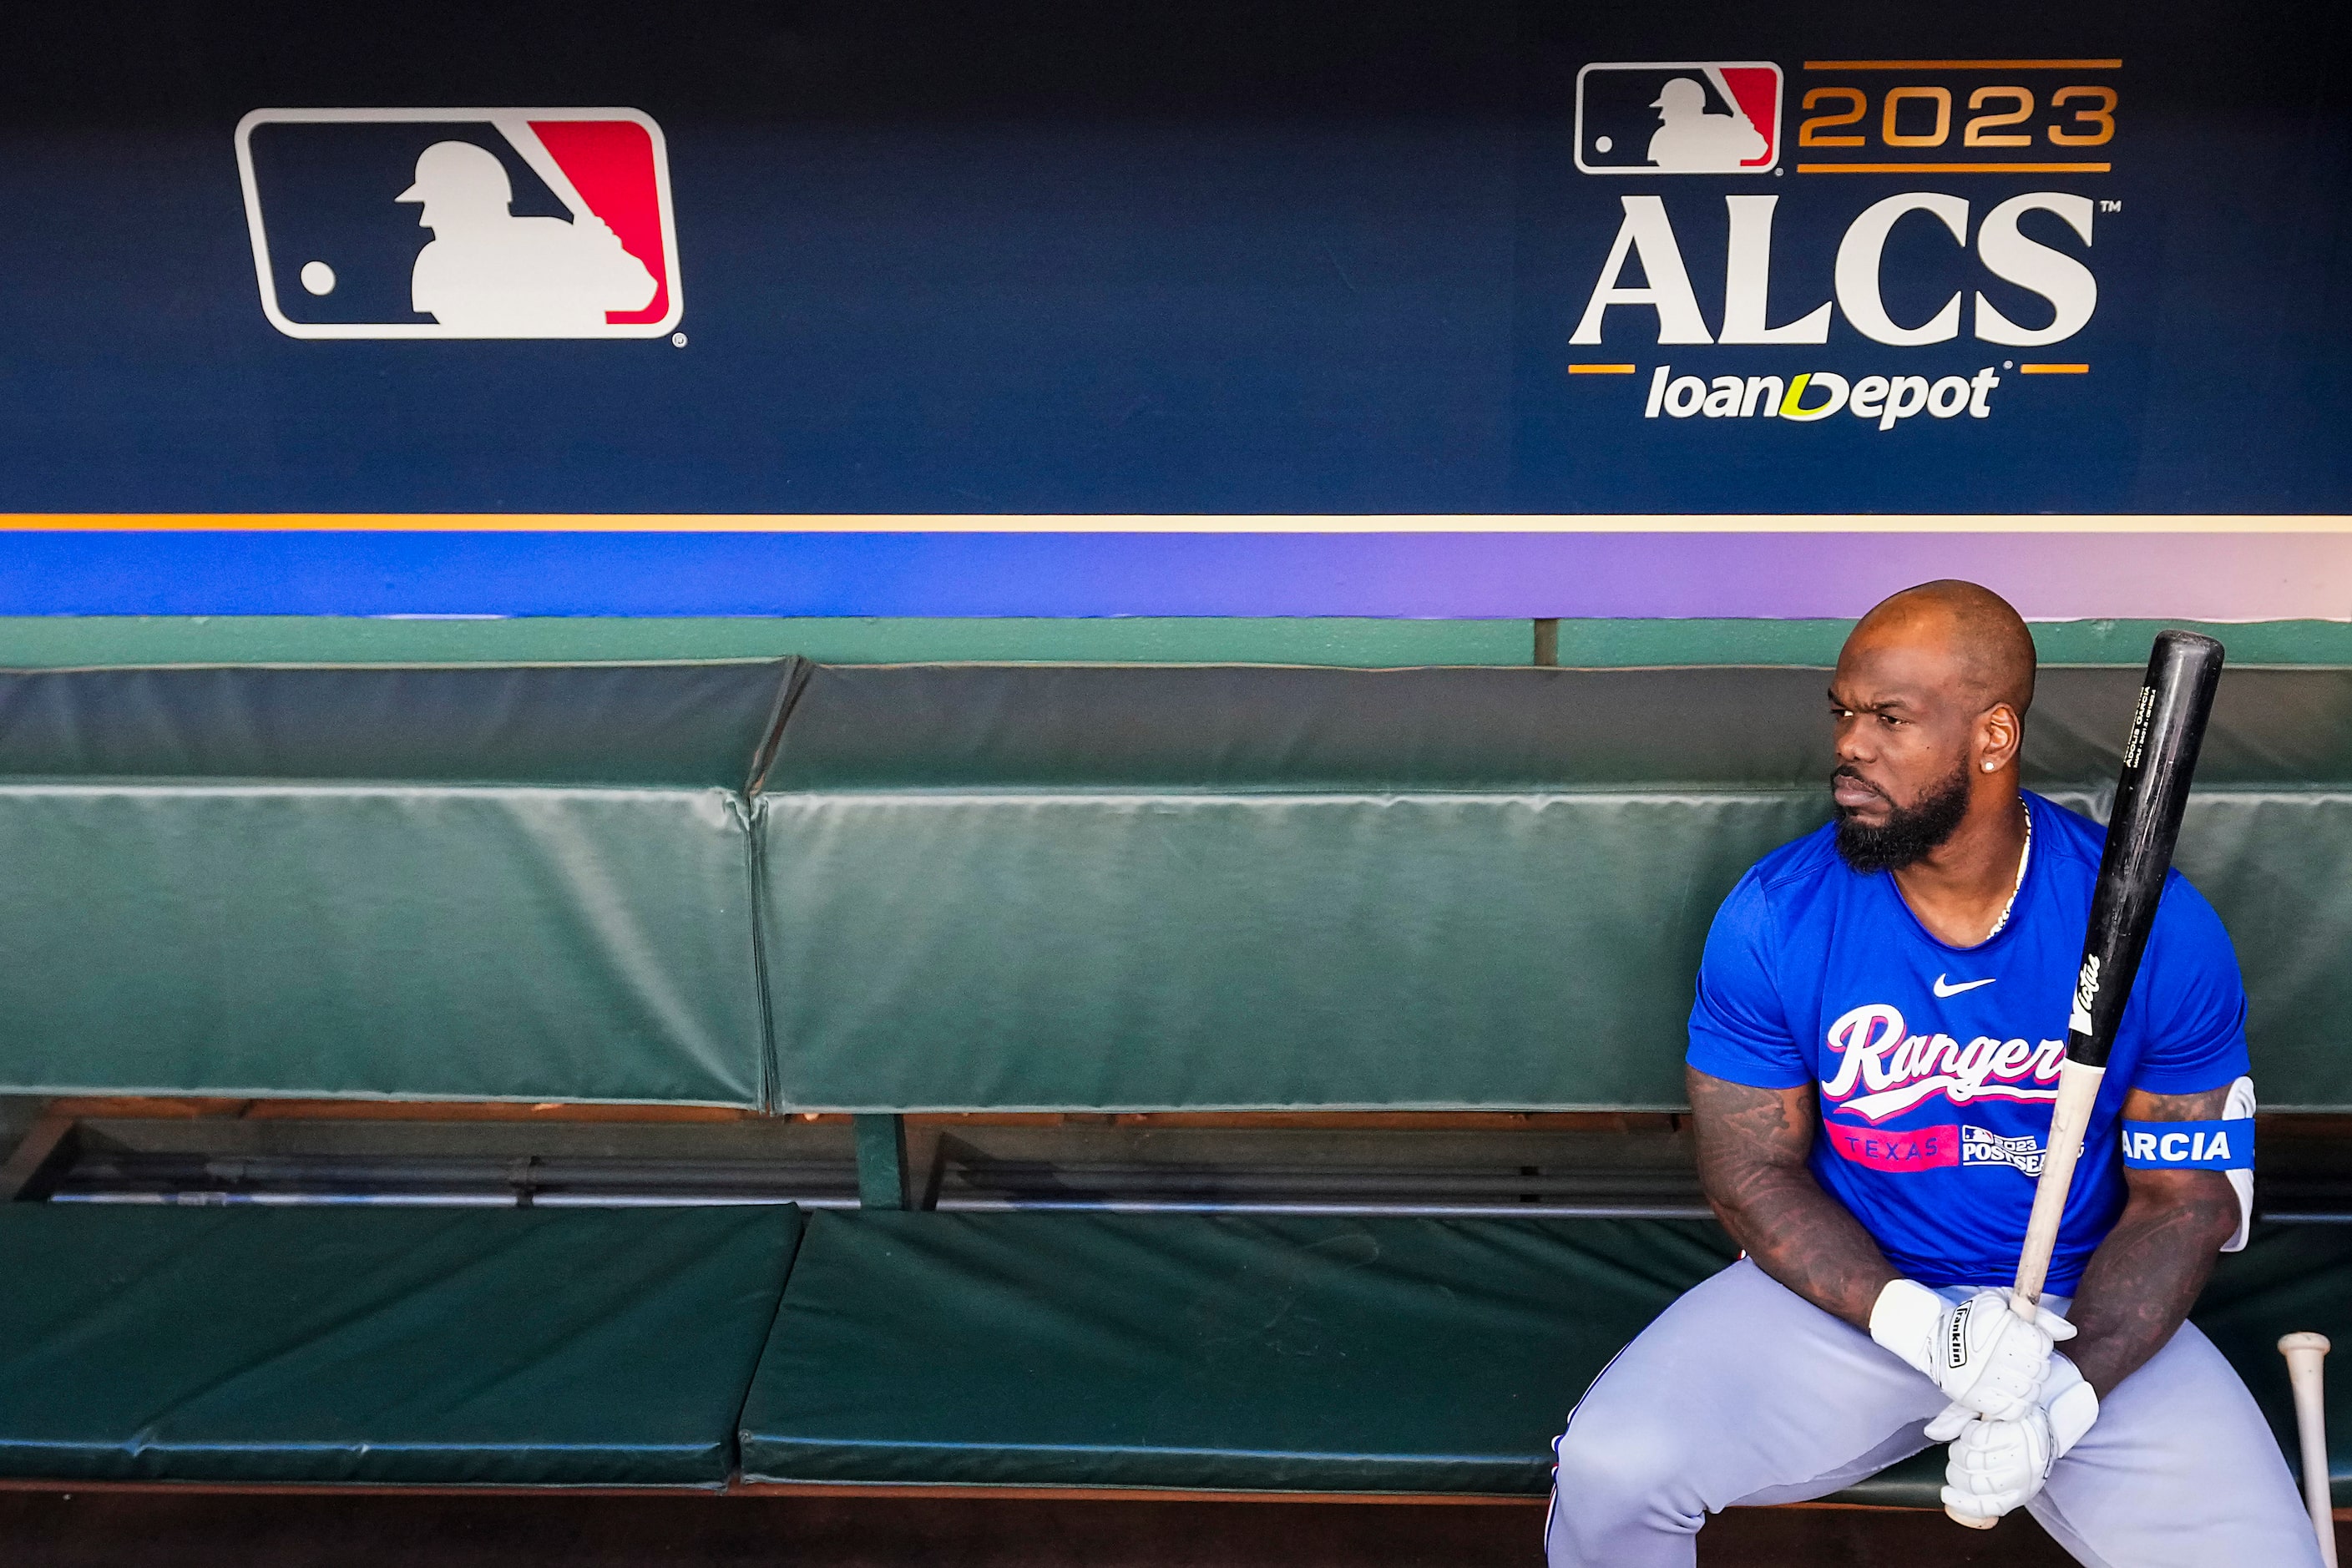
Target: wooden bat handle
x,y
2078,1091
2305,1355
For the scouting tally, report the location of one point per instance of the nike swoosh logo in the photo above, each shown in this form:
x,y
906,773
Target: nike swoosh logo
x,y
1944,990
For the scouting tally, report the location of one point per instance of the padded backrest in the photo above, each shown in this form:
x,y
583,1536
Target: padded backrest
x,y
494,883
996,888
2268,838
986,887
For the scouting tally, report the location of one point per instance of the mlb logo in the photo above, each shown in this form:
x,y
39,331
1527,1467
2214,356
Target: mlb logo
x,y
1701,116
460,223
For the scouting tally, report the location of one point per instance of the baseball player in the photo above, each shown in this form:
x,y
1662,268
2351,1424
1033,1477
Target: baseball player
x,y
1882,1010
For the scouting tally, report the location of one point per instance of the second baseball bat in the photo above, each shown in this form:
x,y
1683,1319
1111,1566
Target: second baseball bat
x,y
2306,1355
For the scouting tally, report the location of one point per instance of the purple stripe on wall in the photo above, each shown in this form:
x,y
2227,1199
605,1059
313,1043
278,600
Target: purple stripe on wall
x,y
2053,576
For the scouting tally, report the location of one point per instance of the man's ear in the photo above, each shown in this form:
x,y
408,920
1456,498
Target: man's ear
x,y
1999,734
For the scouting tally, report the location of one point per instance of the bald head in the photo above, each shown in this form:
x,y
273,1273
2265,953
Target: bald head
x,y
1929,698
1971,630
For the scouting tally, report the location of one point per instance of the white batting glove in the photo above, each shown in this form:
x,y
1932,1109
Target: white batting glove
x,y
1998,1466
1984,1358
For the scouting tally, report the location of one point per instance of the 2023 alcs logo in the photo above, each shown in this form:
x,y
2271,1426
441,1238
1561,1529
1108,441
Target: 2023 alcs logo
x,y
1946,122
538,223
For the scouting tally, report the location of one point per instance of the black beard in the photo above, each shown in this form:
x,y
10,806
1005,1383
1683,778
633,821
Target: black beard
x,y
1909,834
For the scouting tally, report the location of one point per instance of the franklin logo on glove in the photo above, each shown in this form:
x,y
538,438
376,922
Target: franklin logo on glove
x,y
1985,1360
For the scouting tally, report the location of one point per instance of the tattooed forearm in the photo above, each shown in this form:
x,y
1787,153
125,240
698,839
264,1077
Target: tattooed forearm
x,y
1752,1144
2147,1274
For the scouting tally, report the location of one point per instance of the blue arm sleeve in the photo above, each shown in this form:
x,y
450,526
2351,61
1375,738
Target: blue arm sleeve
x,y
2191,999
1737,1029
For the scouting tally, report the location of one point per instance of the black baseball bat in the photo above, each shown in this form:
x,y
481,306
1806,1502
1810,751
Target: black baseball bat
x,y
2159,760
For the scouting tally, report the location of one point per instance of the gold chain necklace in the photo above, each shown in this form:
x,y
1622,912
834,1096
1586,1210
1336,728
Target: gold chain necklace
x,y
2024,857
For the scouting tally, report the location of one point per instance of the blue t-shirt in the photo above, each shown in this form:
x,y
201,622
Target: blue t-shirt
x,y
1938,1065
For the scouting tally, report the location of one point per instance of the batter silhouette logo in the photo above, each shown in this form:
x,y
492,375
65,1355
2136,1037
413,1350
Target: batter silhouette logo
x,y
1700,116
460,223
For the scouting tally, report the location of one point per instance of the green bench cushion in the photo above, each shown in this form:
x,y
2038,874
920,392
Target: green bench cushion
x,y
1200,1352
1278,888
1248,953
1295,1353
496,883
992,888
364,1345
411,941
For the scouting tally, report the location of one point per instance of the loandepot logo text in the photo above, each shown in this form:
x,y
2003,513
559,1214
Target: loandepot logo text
x,y
1940,261
460,223
1885,400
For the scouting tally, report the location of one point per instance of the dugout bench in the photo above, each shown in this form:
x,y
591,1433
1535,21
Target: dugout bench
x,y
783,889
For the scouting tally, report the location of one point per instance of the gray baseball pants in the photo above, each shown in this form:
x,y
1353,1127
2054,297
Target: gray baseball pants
x,y
1742,1392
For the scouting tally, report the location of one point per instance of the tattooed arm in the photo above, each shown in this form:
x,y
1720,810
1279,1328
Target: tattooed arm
x,y
1752,1144
2146,1275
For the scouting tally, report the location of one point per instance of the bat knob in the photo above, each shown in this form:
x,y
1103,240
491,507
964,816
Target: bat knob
x,y
1972,1520
2304,1340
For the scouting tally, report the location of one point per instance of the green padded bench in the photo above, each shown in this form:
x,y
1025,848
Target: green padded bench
x,y
1200,1352
445,1347
886,889
1241,1355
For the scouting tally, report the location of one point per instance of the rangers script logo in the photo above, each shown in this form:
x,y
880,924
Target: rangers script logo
x,y
1897,1069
